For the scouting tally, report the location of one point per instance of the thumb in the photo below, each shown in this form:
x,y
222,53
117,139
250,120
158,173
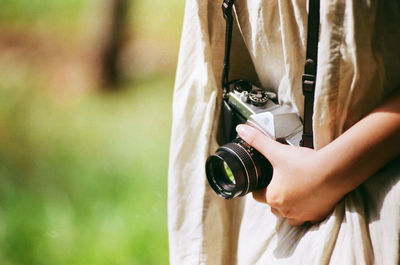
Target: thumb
x,y
264,144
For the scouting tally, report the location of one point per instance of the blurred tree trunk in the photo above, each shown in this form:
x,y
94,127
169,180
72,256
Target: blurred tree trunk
x,y
113,44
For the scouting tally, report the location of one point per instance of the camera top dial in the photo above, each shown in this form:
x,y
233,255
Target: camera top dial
x,y
258,97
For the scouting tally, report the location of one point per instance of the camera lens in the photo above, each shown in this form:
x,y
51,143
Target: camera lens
x,y
236,169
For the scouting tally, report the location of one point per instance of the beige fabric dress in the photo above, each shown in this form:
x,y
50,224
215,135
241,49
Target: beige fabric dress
x,y
359,64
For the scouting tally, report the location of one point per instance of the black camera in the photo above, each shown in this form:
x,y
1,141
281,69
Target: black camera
x,y
236,168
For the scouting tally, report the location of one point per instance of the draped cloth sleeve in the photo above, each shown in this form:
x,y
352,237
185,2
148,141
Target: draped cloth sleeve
x,y
199,222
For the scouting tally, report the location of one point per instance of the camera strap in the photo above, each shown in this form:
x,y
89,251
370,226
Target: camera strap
x,y
310,72
310,67
227,12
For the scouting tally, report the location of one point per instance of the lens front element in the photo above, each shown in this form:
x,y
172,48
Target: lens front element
x,y
237,169
228,174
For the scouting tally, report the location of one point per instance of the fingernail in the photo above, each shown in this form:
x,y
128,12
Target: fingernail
x,y
243,131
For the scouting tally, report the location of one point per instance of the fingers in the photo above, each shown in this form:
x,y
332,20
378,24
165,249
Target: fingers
x,y
278,154
265,145
294,222
276,212
260,195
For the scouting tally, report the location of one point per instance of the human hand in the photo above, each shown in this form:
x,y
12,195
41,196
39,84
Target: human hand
x,y
300,189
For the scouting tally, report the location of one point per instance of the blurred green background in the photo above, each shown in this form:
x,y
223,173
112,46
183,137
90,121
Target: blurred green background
x,y
85,111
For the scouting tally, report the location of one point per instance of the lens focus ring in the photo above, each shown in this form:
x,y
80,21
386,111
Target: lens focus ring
x,y
248,163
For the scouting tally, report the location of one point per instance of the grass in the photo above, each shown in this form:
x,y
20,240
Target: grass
x,y
28,14
85,182
83,176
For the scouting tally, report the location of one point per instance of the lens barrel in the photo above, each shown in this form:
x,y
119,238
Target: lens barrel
x,y
236,169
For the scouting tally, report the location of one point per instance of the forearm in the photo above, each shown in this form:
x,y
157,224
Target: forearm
x,y
364,148
307,184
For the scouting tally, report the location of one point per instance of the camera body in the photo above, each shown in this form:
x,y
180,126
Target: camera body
x,y
246,103
236,168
